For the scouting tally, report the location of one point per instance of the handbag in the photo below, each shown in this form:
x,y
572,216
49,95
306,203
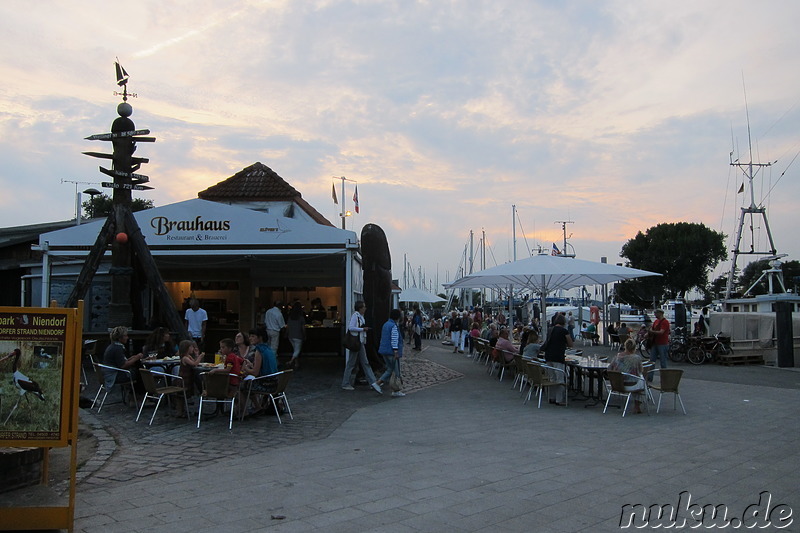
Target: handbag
x,y
396,381
352,342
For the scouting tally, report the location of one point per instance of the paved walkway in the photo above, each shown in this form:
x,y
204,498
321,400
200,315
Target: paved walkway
x,y
460,453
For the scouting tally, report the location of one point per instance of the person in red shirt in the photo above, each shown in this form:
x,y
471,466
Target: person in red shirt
x,y
660,334
233,363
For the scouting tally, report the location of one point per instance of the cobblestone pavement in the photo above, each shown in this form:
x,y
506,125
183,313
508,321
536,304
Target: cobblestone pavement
x,y
128,449
460,453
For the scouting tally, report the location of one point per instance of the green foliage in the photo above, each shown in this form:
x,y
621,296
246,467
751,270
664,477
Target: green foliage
x,y
100,206
683,252
33,414
717,288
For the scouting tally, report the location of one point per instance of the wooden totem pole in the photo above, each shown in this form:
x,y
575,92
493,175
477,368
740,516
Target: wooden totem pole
x,y
128,248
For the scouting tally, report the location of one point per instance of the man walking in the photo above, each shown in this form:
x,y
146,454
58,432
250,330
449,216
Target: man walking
x,y
274,323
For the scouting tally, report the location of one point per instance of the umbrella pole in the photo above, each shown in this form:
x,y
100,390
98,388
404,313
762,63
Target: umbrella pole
x,y
543,314
511,307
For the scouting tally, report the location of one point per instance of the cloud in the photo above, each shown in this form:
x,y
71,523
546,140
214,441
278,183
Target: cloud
x,y
616,115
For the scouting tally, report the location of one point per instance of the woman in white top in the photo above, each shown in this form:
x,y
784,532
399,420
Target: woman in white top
x,y
357,327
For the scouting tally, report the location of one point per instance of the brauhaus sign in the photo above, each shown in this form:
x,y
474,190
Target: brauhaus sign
x,y
194,230
163,225
209,225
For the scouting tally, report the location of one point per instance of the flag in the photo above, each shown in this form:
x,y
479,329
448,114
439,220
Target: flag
x,y
355,198
741,189
555,251
333,192
122,76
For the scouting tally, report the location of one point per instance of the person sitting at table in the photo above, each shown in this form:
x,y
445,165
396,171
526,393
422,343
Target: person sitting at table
x,y
555,348
242,346
231,360
623,333
191,356
159,345
630,362
590,332
612,333
532,347
509,350
115,355
493,334
261,361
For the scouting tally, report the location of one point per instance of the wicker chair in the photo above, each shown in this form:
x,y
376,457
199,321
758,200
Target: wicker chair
x,y
670,381
618,387
153,391
539,381
216,390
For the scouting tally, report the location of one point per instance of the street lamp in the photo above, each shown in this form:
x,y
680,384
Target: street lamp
x,y
92,193
344,217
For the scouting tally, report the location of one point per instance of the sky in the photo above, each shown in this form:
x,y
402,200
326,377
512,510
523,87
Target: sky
x,y
615,115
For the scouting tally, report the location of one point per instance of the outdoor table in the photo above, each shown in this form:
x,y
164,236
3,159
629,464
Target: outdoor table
x,y
166,364
594,370
571,358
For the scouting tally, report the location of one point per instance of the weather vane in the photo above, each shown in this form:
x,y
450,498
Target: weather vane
x,y
122,81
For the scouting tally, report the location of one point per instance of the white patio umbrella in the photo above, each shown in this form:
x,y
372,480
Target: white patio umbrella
x,y
547,273
413,294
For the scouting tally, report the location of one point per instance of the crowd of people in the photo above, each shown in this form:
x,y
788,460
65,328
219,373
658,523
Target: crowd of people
x,y
253,355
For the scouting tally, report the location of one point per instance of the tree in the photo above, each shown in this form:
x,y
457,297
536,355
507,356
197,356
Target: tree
x,y
717,288
753,270
100,206
683,252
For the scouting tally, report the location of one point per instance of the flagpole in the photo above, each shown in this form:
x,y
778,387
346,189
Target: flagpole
x,y
344,199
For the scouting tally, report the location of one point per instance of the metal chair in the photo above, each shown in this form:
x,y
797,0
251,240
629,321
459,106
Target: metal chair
x,y
540,381
216,390
153,391
101,378
500,362
521,376
648,367
248,383
280,394
483,350
618,387
670,380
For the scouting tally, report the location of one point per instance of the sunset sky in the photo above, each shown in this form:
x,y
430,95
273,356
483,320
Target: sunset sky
x,y
616,115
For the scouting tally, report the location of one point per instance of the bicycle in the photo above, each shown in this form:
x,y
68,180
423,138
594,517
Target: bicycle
x,y
678,345
708,348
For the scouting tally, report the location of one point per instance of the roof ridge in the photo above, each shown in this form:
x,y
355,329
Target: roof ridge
x,y
258,182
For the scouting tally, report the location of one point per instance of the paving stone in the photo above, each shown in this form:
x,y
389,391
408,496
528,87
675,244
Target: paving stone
x,y
461,452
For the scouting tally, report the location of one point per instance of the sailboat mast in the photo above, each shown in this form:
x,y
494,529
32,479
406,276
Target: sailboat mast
x,y
749,169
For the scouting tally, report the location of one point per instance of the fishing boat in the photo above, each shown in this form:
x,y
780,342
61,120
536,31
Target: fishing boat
x,y
751,320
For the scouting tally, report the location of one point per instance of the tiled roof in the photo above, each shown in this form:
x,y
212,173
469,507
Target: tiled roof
x,y
258,182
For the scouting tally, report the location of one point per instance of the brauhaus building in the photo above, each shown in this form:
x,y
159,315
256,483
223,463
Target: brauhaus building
x,y
244,243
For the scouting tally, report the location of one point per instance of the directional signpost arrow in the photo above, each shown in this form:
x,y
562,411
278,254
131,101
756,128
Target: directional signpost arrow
x,y
129,186
101,155
110,136
119,174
